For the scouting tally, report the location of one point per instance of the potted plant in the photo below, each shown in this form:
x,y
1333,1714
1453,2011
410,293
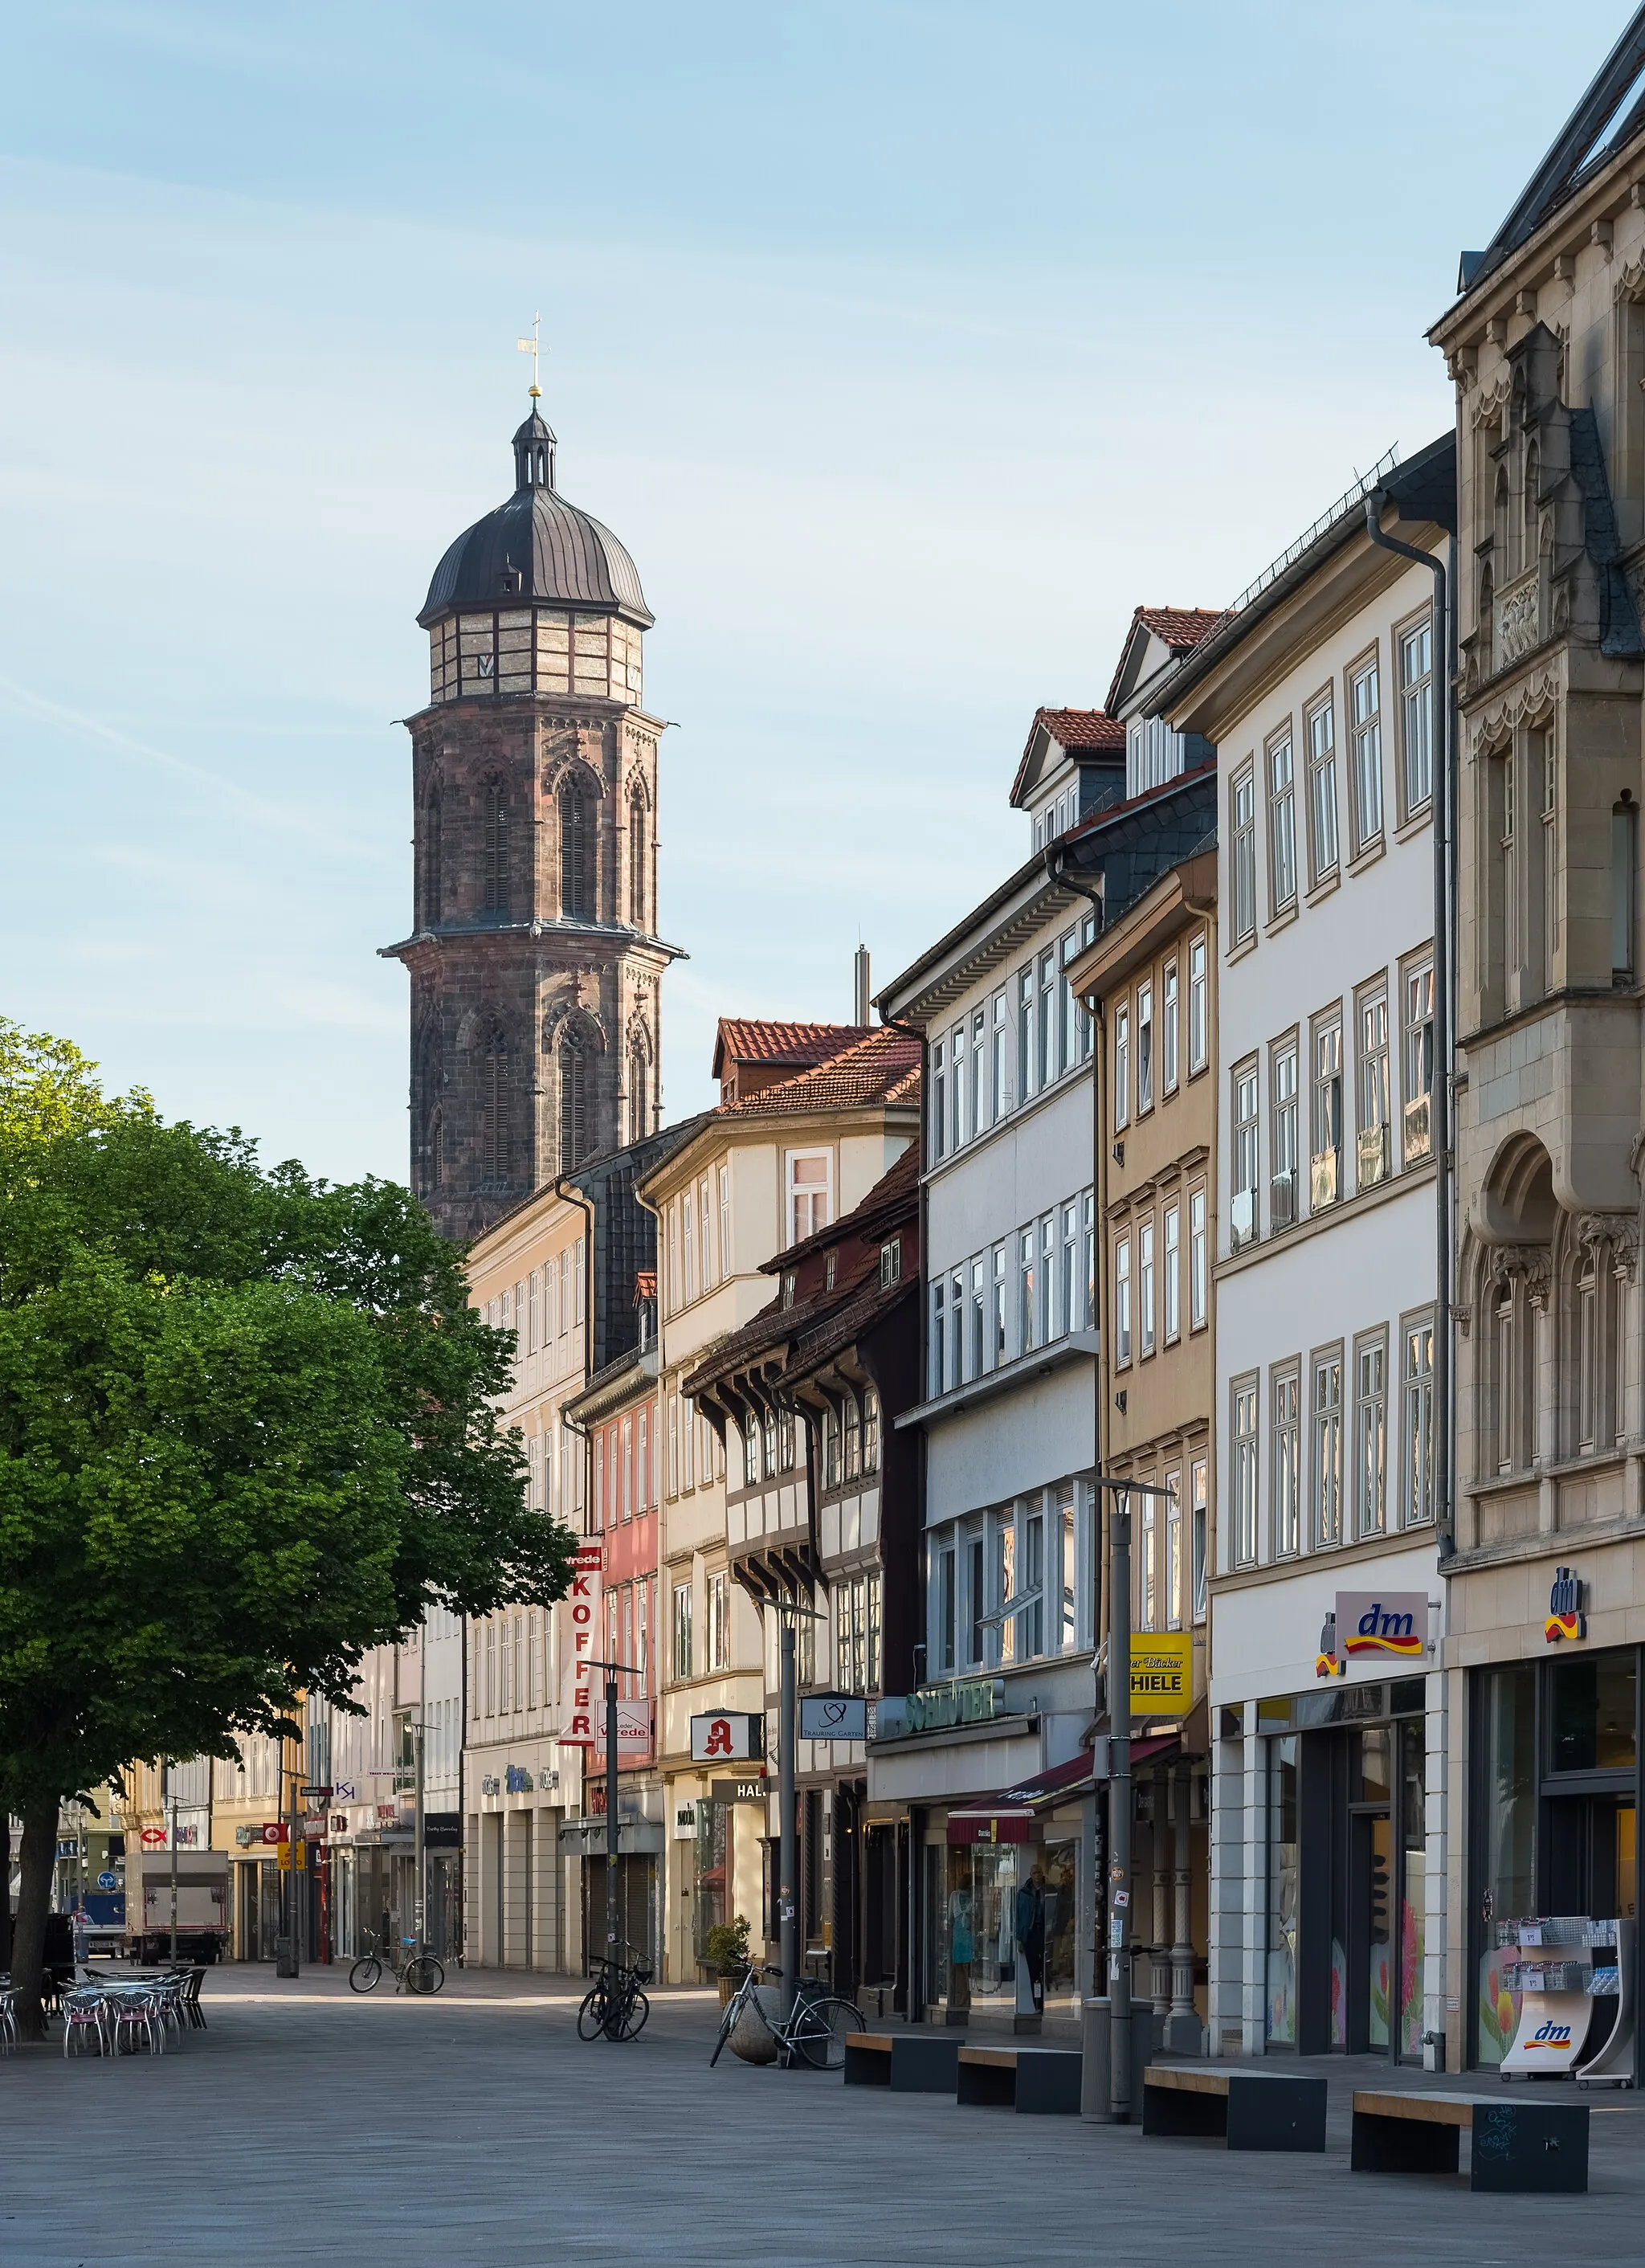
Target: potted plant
x,y
726,1950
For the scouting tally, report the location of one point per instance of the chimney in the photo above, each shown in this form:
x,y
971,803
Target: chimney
x,y
863,1012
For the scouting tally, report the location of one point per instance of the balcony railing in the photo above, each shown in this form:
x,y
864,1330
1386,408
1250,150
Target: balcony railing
x,y
1323,1174
1282,1199
1243,1219
1371,1155
1418,1128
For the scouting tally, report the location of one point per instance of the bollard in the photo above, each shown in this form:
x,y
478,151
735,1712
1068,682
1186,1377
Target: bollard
x,y
1095,2039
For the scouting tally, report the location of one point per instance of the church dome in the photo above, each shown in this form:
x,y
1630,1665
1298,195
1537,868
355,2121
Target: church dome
x,y
537,547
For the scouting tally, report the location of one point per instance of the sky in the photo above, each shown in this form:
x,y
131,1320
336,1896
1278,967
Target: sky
x,y
907,348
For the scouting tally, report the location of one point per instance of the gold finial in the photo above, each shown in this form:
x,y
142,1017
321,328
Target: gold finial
x,y
532,346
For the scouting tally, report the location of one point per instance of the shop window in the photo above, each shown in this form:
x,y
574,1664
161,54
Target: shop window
x,y
1504,1812
1032,1620
1590,1714
1284,1853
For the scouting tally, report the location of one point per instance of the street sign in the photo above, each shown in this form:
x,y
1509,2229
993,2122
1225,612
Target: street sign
x,y
834,1716
737,1790
316,1794
108,1881
731,1735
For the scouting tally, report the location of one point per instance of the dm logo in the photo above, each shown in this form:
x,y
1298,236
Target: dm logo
x,y
1556,2037
1386,1630
1568,1599
1326,1663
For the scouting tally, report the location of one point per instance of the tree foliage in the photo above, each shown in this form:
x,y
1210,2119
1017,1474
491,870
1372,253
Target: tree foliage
x,y
247,1430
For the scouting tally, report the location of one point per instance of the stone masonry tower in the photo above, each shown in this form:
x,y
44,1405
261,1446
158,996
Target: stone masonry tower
x,y
534,962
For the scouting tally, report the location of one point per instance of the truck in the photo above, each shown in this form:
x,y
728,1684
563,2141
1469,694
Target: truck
x,y
203,1906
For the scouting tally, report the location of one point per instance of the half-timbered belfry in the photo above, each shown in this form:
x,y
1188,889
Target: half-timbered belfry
x,y
534,962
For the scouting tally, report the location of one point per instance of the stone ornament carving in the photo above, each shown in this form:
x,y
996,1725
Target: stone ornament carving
x,y
1532,1265
1618,1230
1518,619
1493,399
1531,701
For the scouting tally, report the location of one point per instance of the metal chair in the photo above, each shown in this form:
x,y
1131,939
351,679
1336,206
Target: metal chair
x,y
132,2009
82,2013
8,2021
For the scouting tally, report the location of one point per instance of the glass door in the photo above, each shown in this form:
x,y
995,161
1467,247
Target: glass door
x,y
1371,1886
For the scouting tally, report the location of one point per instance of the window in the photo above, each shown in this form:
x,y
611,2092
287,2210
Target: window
x,y
978,1098
946,1605
627,1468
1365,696
938,1323
1200,1483
1549,768
871,1620
956,1325
1065,1544
1624,890
1199,1021
998,1326
1172,1299
1121,1067
719,1624
688,1438
1416,714
1281,826
1418,1491
1507,1381
636,861
1419,1061
810,1187
1031,1624
975,1318
682,1629
1173,1552
1326,1458
705,1227
1322,792
956,1087
1168,1029
1145,1046
1243,854
871,1432
1046,1038
725,1222
1088,1261
576,851
1244,1475
1000,1044
891,1262
1197,1275
939,1098
673,1446
1370,1435
1244,1211
1026,1032
853,1418
751,1452
1122,1301
1587,1359
1282,1207
1004,1571
1285,1474
1074,1016
1047,1327
976,1599
1326,1180
1073,1277
689,1219
1147,1571
1145,1286
1373,1143
785,1440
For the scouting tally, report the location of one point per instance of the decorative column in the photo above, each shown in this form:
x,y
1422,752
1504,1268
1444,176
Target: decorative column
x,y
1183,2032
1158,1852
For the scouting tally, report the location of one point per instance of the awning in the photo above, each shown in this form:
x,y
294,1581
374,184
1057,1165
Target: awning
x,y
1008,1817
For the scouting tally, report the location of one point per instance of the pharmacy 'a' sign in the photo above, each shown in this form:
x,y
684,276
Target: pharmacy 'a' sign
x,y
728,1735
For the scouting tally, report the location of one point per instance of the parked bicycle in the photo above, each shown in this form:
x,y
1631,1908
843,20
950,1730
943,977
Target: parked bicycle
x,y
414,1971
815,2027
614,2004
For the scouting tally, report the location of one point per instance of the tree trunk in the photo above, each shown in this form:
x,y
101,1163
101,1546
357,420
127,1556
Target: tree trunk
x,y
28,1942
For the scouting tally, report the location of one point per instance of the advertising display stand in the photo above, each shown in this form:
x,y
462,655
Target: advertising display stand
x,y
1569,1966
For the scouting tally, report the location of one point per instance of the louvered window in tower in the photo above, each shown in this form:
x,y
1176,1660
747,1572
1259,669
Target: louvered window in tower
x,y
496,849
576,852
576,1101
433,872
496,1109
636,861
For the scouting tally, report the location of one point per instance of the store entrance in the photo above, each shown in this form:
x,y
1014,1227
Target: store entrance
x,y
1591,1854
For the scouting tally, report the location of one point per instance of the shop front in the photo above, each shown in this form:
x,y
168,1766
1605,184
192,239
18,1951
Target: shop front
x,y
1003,1890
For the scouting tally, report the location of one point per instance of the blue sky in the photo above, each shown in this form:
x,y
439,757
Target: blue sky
x,y
906,347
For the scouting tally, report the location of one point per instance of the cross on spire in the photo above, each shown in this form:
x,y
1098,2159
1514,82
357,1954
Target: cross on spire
x,y
532,346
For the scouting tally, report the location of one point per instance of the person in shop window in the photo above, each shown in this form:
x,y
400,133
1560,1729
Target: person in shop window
x,y
1031,1929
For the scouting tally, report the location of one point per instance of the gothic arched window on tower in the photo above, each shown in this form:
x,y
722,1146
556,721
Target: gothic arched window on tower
x,y
636,1097
433,872
636,859
496,1109
576,851
494,850
576,1099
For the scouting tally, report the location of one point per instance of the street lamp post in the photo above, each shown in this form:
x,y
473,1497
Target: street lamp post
x,y
787,1814
614,1826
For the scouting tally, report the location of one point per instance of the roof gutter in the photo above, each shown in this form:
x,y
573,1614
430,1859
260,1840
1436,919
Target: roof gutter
x,y
1443,572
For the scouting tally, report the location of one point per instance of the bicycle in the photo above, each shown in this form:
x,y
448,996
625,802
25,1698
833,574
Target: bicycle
x,y
615,2005
421,1973
815,2027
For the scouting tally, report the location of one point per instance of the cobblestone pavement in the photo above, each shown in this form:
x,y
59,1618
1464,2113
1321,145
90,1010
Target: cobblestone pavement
x,y
475,2130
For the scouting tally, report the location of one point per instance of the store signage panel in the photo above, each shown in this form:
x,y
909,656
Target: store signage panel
x,y
1372,1625
684,1818
989,1827
737,1790
1567,1608
1162,1672
963,1701
581,1724
834,1716
727,1735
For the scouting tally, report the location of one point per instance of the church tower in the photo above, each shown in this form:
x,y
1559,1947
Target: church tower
x,y
533,956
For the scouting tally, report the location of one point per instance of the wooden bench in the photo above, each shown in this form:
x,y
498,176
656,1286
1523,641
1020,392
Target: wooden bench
x,y
1045,2080
1516,2146
909,2062
1248,2110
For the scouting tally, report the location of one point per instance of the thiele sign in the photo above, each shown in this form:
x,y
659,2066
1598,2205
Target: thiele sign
x,y
1162,1673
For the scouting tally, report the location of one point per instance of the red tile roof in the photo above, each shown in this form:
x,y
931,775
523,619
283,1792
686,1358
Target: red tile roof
x,y
880,1067
1180,627
753,1039
1082,728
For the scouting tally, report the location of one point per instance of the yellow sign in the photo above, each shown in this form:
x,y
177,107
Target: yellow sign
x,y
1162,1673
302,1854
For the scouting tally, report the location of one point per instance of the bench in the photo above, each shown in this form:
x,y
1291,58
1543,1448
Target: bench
x,y
1248,2110
909,2062
1038,2079
1516,2146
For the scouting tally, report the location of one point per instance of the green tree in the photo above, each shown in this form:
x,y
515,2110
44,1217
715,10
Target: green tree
x,y
247,1430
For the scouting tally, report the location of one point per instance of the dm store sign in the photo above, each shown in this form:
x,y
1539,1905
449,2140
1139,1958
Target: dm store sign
x,y
1375,1625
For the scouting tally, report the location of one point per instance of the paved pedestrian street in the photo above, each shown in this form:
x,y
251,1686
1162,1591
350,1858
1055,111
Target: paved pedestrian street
x,y
310,2125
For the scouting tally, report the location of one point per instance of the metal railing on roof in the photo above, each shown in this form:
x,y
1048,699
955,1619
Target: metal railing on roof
x,y
1293,552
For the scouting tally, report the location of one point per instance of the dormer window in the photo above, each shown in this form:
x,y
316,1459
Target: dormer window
x,y
1153,755
891,1262
830,1268
788,1289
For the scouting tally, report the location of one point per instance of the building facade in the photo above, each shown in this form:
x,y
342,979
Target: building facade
x,y
1328,1821
534,962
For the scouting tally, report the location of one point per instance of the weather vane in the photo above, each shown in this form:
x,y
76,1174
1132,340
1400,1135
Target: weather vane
x,y
532,346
